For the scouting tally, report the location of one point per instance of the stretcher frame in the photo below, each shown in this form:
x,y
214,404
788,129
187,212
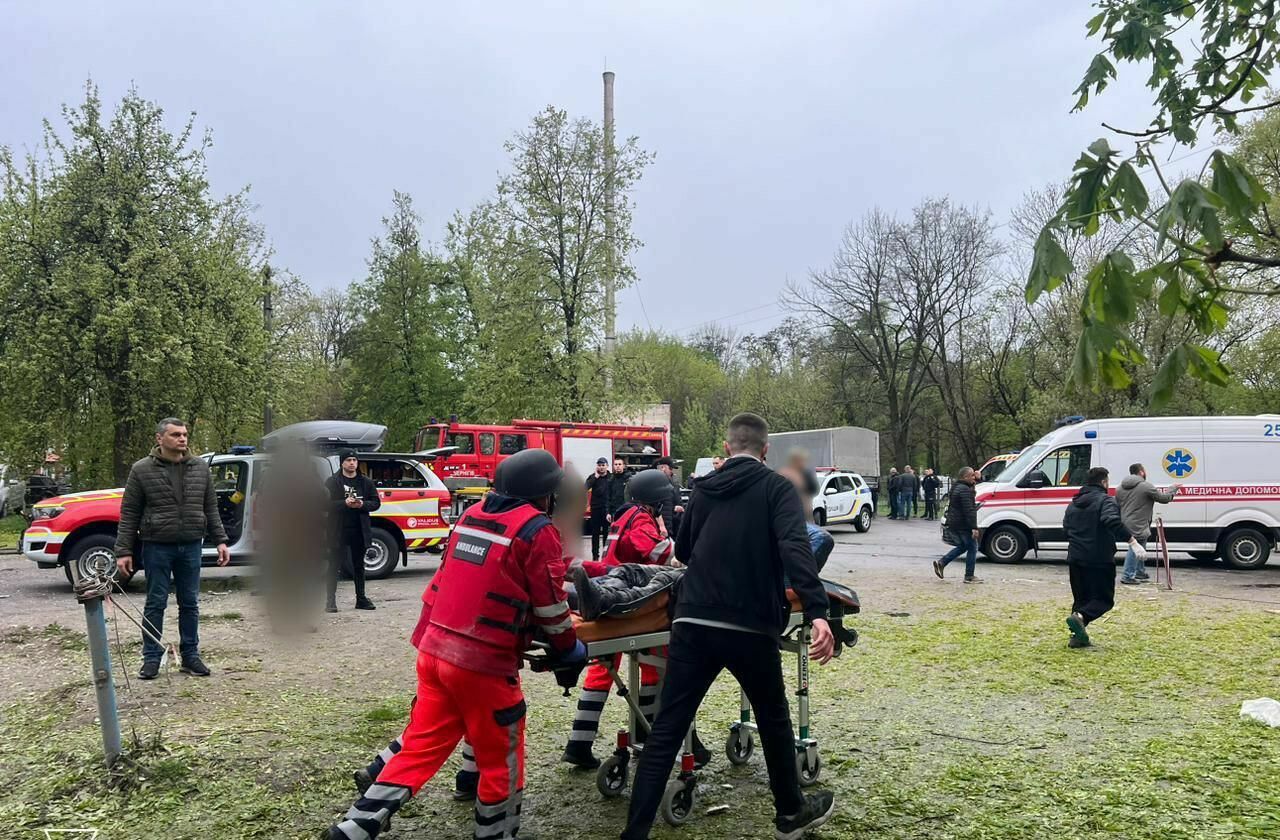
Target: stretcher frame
x,y
679,799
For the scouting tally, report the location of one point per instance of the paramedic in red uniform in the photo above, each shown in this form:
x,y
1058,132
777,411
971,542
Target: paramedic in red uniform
x,y
636,536
496,583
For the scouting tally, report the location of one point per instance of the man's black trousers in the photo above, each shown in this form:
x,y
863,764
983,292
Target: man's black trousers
x,y
697,656
1093,590
930,508
351,546
599,532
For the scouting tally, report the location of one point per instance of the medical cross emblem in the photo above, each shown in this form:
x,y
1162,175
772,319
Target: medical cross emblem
x,y
1179,463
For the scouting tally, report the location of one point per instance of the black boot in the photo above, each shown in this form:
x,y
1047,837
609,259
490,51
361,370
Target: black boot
x,y
578,753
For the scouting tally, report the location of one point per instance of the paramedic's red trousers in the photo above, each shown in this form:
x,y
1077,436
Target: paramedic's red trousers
x,y
454,702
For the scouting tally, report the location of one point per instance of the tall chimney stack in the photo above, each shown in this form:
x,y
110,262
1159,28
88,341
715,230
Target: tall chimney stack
x,y
610,279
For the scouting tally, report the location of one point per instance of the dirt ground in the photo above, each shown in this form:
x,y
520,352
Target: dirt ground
x,y
282,722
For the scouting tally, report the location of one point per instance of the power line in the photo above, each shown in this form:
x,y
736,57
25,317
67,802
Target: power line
x,y
723,318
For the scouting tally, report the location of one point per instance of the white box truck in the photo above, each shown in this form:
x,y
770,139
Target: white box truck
x,y
846,448
1228,468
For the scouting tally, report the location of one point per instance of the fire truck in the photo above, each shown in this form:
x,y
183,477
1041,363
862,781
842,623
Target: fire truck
x,y
77,531
468,454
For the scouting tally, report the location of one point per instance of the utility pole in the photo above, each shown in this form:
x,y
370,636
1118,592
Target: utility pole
x,y
611,273
267,420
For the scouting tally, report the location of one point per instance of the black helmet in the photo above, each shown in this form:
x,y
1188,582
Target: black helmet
x,y
649,487
528,474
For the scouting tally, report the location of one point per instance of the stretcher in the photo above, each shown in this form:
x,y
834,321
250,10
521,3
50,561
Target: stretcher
x,y
646,632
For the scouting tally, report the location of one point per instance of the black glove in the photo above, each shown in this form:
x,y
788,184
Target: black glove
x,y
568,667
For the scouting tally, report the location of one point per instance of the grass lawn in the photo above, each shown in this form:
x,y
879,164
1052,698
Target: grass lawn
x,y
961,720
11,528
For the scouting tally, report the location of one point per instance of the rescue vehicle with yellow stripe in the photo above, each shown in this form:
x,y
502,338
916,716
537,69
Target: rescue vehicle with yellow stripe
x,y
79,529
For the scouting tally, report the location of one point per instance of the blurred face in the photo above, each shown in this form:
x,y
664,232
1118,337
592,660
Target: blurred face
x,y
601,469
349,467
717,462
173,438
666,470
618,466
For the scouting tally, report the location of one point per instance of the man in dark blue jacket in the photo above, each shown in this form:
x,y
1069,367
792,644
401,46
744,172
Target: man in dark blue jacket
x,y
1094,526
743,530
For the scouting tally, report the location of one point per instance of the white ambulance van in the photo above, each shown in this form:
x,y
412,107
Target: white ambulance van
x,y
1229,469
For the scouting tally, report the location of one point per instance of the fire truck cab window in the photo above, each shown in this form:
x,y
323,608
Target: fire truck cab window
x,y
486,443
511,444
466,443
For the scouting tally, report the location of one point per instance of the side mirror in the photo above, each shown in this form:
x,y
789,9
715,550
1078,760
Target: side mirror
x,y
831,490
1037,479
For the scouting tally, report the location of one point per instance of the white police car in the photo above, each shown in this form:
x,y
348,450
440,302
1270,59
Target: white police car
x,y
843,498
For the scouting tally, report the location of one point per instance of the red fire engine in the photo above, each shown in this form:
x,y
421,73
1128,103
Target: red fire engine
x,y
476,450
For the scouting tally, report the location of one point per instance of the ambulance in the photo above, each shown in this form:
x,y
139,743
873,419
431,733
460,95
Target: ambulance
x,y
1228,469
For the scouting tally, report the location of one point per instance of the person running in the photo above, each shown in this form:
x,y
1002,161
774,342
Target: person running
x,y
1093,526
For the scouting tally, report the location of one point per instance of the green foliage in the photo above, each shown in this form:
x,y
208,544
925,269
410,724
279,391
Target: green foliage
x,y
400,352
1215,231
129,293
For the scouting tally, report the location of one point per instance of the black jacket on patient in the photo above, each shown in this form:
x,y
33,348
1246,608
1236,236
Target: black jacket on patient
x,y
623,590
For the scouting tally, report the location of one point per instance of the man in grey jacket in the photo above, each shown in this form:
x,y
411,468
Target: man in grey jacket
x,y
169,507
1137,497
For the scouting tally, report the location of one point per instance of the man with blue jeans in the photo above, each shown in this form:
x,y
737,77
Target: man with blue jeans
x,y
962,520
1137,498
168,509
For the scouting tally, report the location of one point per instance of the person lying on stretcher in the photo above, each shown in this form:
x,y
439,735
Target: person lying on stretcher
x,y
630,588
636,538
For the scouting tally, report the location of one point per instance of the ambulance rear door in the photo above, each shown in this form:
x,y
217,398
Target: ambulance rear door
x,y
1241,467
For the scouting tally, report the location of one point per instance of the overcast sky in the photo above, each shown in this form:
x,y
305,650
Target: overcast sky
x,y
774,124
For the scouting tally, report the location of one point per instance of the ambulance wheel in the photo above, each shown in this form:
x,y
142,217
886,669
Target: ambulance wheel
x,y
1006,544
611,778
380,559
1245,548
678,801
809,771
740,746
862,523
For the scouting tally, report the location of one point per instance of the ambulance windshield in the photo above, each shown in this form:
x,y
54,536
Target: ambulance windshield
x,y
1030,455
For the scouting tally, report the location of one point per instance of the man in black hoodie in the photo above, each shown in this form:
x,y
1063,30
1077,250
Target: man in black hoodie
x,y
1093,526
743,530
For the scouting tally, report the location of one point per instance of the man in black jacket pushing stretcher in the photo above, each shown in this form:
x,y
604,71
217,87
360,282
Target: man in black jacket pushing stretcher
x,y
743,531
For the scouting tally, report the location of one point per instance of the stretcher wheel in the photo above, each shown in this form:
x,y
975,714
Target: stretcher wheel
x,y
809,770
678,801
739,747
611,778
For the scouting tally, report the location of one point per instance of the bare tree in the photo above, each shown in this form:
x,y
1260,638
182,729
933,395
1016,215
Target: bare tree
x,y
862,300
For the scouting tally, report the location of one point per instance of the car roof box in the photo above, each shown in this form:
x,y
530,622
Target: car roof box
x,y
330,435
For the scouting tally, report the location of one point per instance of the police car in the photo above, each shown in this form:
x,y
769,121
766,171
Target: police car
x,y
843,498
1228,468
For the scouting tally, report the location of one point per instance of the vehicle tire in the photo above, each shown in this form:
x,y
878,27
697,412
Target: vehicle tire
x,y
611,778
1005,543
820,517
679,801
383,554
93,555
809,773
739,746
862,523
1245,548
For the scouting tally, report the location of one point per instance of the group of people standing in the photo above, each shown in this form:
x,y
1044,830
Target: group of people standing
x,y
906,489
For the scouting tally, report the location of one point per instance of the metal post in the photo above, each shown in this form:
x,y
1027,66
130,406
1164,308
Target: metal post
x,y
610,279
268,421
103,684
